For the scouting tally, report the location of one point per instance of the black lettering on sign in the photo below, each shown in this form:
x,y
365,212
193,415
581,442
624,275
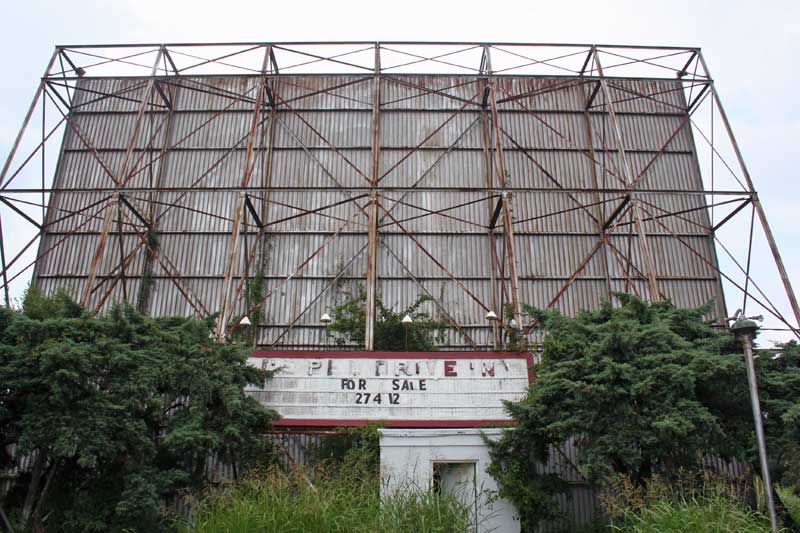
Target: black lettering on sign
x,y
362,384
348,384
394,398
395,384
422,385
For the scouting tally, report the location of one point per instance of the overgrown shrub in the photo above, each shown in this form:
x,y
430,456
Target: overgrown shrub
x,y
118,412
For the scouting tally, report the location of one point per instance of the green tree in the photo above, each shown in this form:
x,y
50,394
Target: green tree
x,y
391,334
639,387
118,412
778,374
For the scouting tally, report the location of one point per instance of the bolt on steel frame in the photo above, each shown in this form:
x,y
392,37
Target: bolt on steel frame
x,y
271,180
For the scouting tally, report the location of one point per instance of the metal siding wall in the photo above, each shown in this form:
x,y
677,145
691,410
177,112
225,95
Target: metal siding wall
x,y
550,151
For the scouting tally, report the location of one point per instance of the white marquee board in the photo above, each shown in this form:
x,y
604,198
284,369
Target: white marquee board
x,y
400,389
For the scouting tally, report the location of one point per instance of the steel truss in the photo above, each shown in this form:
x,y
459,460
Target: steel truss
x,y
121,111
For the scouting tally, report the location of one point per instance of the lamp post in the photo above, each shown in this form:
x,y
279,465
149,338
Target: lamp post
x,y
491,316
745,329
325,319
406,323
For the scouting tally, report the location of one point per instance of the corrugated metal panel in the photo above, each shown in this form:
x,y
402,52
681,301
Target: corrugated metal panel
x,y
322,141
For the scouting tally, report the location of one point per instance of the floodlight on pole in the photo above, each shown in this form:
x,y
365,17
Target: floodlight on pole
x,y
491,315
407,320
325,319
245,321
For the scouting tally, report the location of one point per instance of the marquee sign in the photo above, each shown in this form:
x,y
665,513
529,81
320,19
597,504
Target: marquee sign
x,y
399,389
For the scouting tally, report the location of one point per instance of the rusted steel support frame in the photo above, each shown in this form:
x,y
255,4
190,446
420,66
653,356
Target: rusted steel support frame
x,y
40,146
661,151
438,212
331,59
623,266
318,296
249,164
195,302
119,275
275,63
539,61
193,132
677,214
650,96
769,308
569,141
566,84
143,298
26,121
435,301
743,271
426,139
600,206
121,180
40,255
51,223
631,183
434,59
749,254
495,190
251,257
648,61
544,171
5,269
121,246
296,271
599,244
639,274
98,251
339,186
330,145
206,61
372,211
103,95
773,246
722,160
441,91
508,228
489,179
413,188
74,127
567,210
20,212
435,261
732,214
80,71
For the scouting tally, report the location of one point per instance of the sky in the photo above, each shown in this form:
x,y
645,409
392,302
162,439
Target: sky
x,y
750,47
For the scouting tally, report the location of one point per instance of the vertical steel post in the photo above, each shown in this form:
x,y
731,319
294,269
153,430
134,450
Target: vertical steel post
x,y
247,172
630,182
372,208
744,330
508,229
486,69
762,217
120,181
600,208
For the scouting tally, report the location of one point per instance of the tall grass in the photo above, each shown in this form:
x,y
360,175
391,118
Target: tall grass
x,y
706,514
336,502
686,502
